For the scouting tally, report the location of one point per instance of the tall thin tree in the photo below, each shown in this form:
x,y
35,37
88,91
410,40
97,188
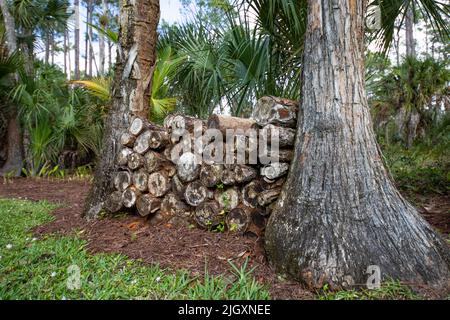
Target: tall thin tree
x,y
77,40
14,157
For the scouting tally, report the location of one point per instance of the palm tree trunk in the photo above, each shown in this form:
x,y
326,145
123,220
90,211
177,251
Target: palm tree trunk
x,y
102,42
69,56
77,39
137,40
14,148
409,25
89,32
47,47
65,52
339,212
52,39
86,41
10,27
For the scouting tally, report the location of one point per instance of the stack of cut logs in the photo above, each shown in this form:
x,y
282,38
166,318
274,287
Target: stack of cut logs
x,y
234,197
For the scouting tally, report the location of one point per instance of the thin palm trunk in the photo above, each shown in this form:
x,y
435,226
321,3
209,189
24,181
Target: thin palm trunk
x,y
89,33
409,25
65,52
77,40
102,41
14,148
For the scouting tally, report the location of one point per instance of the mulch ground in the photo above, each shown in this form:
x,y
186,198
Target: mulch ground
x,y
170,247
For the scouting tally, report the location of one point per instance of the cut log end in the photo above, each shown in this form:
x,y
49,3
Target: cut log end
x,y
208,215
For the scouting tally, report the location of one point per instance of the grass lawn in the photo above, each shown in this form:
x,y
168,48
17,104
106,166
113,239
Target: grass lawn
x,y
47,268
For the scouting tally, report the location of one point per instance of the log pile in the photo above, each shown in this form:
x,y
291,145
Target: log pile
x,y
165,176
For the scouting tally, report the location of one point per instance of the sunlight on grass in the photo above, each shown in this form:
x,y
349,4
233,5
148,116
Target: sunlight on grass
x,y
33,268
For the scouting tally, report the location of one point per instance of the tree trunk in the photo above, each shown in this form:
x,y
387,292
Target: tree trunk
x,y
409,26
339,212
65,51
77,40
86,41
131,89
14,152
101,40
10,27
47,47
89,36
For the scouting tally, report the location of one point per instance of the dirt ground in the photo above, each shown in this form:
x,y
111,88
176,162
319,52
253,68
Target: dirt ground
x,y
172,247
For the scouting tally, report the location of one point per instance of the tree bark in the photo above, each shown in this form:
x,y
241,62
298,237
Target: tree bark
x,y
14,145
339,212
131,89
101,40
409,26
77,40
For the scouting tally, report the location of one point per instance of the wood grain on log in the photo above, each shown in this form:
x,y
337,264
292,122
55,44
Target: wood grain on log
x,y
140,180
147,204
267,197
275,170
122,180
223,123
178,187
135,161
154,161
244,174
158,184
282,155
272,110
195,193
173,206
250,193
113,203
130,196
122,157
127,139
228,199
142,143
188,167
211,175
209,214
158,139
286,136
238,219
228,175
179,125
137,126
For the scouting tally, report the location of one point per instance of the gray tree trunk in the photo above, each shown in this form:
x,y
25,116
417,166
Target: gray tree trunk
x,y
131,90
10,27
77,40
102,42
409,25
339,212
14,149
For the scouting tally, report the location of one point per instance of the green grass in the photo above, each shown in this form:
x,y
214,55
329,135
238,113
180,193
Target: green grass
x,y
419,170
390,290
41,269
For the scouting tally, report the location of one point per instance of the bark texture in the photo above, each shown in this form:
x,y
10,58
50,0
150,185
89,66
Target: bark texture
x,y
339,212
13,146
136,58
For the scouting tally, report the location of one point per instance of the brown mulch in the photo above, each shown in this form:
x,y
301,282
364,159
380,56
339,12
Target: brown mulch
x,y
170,247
